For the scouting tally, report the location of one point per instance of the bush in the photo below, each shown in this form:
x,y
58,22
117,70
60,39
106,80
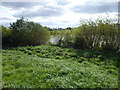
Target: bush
x,y
29,33
6,36
98,35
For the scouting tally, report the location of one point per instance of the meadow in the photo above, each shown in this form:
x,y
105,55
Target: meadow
x,y
48,66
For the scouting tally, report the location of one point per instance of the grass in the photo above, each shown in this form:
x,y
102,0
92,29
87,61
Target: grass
x,y
54,67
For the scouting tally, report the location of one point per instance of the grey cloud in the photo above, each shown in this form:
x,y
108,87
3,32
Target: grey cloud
x,y
18,5
5,18
45,12
119,8
7,24
92,8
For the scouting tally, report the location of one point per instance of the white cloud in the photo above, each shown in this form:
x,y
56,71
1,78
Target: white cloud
x,y
6,16
51,13
58,0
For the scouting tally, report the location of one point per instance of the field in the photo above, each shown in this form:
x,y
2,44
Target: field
x,y
54,67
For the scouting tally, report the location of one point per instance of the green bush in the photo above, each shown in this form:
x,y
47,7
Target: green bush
x,y
102,34
29,33
7,40
98,35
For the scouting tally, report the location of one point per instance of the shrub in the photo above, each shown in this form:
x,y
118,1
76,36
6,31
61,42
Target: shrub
x,y
98,35
29,33
6,36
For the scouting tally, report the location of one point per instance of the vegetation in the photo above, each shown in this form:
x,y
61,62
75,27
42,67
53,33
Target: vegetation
x,y
66,38
6,36
26,33
54,67
82,57
92,35
99,35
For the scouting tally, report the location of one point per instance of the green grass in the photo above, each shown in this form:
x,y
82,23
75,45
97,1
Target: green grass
x,y
54,67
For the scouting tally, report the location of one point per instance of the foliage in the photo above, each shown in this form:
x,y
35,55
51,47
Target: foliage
x,y
6,36
98,35
29,33
54,67
102,34
65,38
89,65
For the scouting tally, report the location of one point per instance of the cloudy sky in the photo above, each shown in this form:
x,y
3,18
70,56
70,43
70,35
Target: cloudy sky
x,y
56,13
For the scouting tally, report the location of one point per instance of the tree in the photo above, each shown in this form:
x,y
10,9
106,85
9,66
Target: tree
x,y
29,33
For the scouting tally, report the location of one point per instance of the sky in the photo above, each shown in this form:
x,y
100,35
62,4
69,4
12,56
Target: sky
x,y
57,13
